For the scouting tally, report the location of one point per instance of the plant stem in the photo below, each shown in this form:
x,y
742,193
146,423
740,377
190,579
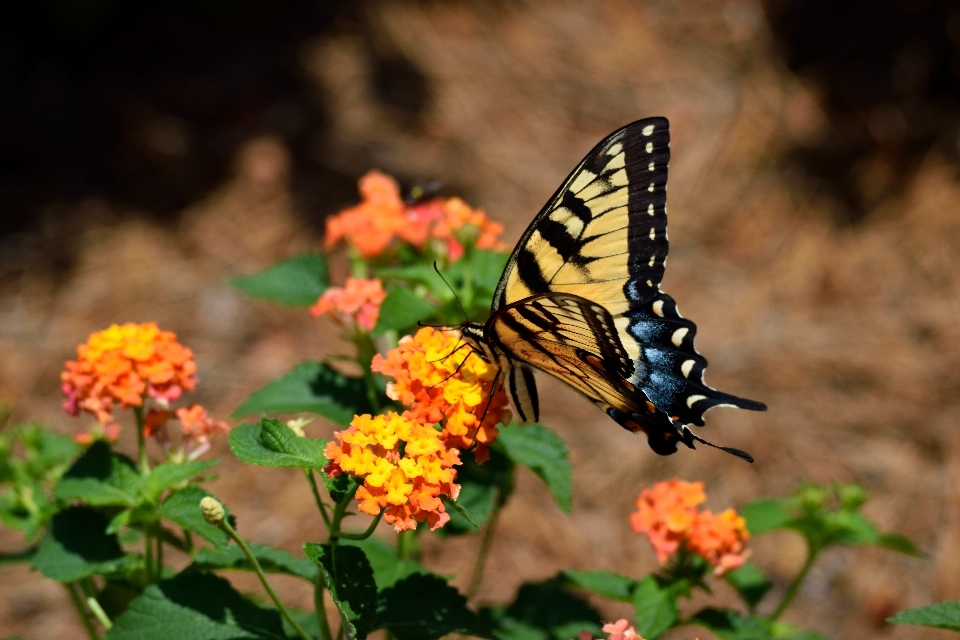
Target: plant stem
x,y
71,588
225,526
321,609
141,441
366,534
88,589
482,556
316,496
795,585
148,554
338,513
159,556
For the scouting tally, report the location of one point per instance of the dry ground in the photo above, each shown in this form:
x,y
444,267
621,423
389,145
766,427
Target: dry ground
x,y
849,335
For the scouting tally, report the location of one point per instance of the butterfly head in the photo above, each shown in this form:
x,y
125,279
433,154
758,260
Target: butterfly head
x,y
473,334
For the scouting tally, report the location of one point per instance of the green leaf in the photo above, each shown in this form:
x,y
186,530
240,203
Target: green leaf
x,y
170,474
270,443
655,608
271,560
182,507
750,582
853,529
311,387
543,611
195,605
454,506
482,488
425,607
45,453
897,542
101,478
340,486
349,578
486,267
76,546
763,516
944,615
387,567
296,282
730,625
418,274
401,309
543,452
472,508
602,583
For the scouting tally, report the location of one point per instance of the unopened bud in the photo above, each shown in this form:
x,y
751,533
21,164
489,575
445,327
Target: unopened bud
x,y
297,424
212,511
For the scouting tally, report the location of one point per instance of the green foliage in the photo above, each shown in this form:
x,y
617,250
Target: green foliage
x,y
543,452
349,578
195,605
101,478
424,607
271,560
543,611
750,582
730,625
602,583
483,488
340,487
76,546
311,387
945,615
182,507
270,443
387,567
296,282
172,475
655,607
401,309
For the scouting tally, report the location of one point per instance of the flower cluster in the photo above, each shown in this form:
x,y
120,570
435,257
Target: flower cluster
x,y
124,364
442,382
404,466
667,514
358,301
382,216
198,429
619,630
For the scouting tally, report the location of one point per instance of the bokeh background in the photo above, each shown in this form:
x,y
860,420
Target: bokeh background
x,y
149,151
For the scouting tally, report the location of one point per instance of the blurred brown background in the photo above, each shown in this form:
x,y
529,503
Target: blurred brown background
x,y
150,151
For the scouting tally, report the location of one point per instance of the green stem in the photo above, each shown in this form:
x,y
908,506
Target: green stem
x,y
316,496
71,588
230,531
408,547
321,609
98,611
795,585
141,441
482,556
366,350
339,512
159,556
148,554
366,534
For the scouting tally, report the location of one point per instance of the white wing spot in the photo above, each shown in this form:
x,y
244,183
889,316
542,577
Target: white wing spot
x,y
658,307
650,188
686,367
615,149
694,399
653,259
650,209
653,233
650,166
649,147
647,130
677,338
649,284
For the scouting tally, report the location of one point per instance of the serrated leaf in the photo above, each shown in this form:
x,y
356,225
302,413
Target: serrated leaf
x,y
311,387
543,452
169,474
76,546
401,309
603,583
182,507
101,478
349,579
270,443
296,282
271,560
763,516
750,582
425,607
655,608
543,611
944,615
195,605
387,567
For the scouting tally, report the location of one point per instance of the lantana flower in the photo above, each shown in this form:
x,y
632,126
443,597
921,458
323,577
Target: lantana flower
x,y
424,369
668,515
121,366
404,465
357,301
383,216
619,630
198,429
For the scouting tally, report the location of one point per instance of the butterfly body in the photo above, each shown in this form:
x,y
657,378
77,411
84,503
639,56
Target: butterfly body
x,y
580,299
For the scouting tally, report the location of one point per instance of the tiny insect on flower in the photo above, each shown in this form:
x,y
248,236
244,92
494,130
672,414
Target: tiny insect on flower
x,y
404,465
357,302
426,379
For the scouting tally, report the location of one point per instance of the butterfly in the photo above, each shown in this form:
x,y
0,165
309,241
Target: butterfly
x,y
580,299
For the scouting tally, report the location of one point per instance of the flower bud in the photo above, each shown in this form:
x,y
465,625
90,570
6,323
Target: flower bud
x,y
212,511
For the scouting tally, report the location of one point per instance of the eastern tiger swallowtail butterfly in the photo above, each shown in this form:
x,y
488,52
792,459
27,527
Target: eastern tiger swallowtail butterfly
x,y
580,299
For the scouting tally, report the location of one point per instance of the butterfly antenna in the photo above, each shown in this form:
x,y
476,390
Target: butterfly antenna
x,y
437,269
457,347
455,371
743,455
442,327
493,390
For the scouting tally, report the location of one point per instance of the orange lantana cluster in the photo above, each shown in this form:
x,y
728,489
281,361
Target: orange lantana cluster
x,y
358,301
404,465
122,365
383,216
423,367
667,514
619,630
198,428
